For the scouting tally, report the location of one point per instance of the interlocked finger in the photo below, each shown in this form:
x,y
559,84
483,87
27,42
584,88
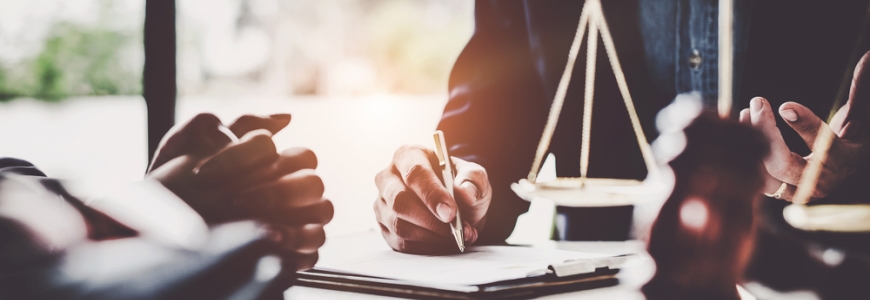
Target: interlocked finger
x,y
254,151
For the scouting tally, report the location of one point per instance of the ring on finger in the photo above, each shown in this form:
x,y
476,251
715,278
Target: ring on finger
x,y
779,191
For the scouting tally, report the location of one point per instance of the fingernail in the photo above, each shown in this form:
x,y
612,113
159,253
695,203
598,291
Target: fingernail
x,y
281,117
755,104
789,114
444,211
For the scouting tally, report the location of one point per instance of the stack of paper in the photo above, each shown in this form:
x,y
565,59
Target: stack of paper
x,y
368,255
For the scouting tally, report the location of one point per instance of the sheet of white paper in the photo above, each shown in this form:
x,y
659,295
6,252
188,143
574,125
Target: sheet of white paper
x,y
368,254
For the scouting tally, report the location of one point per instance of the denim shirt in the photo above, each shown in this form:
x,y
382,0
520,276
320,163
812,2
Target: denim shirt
x,y
681,41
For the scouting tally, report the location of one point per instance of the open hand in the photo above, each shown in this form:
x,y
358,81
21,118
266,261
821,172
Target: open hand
x,y
849,152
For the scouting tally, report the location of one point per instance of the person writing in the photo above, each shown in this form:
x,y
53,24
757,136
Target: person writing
x,y
503,82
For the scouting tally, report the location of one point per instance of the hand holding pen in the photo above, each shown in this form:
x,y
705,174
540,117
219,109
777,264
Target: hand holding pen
x,y
415,210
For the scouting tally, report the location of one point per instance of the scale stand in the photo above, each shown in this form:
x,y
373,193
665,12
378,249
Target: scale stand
x,y
584,191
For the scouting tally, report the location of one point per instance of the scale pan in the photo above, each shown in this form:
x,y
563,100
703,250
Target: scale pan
x,y
588,192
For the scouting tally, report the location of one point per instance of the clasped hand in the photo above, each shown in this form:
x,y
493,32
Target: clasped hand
x,y
226,180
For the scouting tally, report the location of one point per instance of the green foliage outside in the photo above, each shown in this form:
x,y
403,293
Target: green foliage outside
x,y
419,55
76,60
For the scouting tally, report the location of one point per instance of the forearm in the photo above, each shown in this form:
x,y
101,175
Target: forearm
x,y
497,109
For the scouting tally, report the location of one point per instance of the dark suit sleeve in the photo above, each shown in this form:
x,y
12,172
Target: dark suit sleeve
x,y
495,115
18,166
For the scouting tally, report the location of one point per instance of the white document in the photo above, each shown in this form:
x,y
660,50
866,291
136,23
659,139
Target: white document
x,y
367,254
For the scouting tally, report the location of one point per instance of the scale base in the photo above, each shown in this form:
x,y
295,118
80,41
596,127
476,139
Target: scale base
x,y
589,192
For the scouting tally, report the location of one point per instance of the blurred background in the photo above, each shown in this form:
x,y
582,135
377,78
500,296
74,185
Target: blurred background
x,y
360,78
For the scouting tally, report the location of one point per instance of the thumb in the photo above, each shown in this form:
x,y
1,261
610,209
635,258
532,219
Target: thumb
x,y
852,120
248,123
781,162
202,136
859,93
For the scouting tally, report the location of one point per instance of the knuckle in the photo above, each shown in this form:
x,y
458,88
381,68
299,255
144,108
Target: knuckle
x,y
401,245
477,173
245,122
302,154
245,119
385,233
205,118
474,173
428,194
385,218
260,138
395,242
408,149
416,173
328,211
319,238
382,212
305,182
311,157
393,224
401,201
377,207
382,176
403,230
315,184
436,226
780,170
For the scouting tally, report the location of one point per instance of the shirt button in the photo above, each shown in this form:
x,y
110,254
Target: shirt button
x,y
695,59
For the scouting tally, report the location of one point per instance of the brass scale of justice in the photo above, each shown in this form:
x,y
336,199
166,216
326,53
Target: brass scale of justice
x,y
598,192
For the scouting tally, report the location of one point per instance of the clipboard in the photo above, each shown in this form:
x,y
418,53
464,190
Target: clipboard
x,y
363,263
525,288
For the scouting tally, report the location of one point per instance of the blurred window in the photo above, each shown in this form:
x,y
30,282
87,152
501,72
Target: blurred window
x,y
54,49
325,47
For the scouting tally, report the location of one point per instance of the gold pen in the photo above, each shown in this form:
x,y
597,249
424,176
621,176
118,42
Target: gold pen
x,y
447,175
